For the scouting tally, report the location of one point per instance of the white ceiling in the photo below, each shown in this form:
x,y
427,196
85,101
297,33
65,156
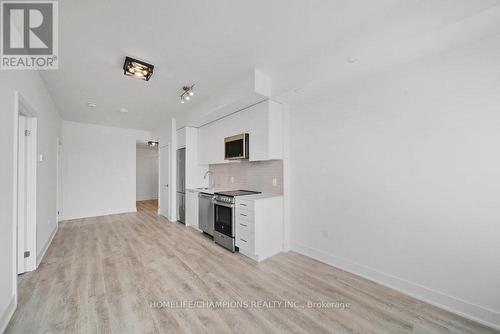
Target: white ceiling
x,y
203,42
210,43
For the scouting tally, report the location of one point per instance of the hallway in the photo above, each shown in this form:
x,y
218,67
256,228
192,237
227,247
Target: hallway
x,y
145,206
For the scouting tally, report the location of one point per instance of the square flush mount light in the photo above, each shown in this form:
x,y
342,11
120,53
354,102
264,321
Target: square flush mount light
x,y
137,69
152,144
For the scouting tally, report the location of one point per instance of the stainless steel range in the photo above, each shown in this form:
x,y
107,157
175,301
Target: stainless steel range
x,y
224,212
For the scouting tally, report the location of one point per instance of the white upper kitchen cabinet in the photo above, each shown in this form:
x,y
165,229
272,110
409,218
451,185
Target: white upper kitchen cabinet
x,y
210,144
188,137
181,138
264,124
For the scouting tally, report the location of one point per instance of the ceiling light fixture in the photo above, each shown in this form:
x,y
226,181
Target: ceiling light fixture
x,y
91,105
152,144
187,93
123,110
138,69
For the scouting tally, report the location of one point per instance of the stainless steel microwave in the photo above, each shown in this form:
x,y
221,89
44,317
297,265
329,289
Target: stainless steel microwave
x,y
236,147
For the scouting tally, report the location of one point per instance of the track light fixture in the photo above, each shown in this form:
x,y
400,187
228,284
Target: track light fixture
x,y
187,93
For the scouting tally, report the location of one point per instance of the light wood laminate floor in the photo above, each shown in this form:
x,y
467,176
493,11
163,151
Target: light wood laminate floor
x,y
149,205
102,275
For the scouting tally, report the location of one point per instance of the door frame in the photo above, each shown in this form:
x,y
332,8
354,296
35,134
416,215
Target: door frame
x,y
160,181
59,197
23,107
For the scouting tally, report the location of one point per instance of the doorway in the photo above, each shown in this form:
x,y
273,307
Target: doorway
x,y
164,191
147,176
26,185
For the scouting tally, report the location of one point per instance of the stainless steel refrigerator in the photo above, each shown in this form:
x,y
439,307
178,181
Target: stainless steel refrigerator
x,y
181,185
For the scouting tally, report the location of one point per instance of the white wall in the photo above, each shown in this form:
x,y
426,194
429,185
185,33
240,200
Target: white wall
x,y
147,174
397,177
30,85
99,169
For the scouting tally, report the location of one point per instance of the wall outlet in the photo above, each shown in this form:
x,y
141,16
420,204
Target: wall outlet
x,y
275,182
232,179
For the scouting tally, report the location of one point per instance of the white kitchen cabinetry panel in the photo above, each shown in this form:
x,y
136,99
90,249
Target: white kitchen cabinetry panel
x,y
211,144
188,137
259,233
264,124
181,138
192,208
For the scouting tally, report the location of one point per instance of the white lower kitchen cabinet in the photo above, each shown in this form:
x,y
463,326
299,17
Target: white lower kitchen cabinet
x,y
192,208
259,226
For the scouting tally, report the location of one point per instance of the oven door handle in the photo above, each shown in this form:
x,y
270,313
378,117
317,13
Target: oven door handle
x,y
224,204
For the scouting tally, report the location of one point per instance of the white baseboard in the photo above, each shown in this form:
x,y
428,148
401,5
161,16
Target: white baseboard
x,y
7,315
99,214
159,214
194,228
40,256
485,316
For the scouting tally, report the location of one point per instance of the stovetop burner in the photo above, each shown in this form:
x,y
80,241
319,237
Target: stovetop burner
x,y
234,193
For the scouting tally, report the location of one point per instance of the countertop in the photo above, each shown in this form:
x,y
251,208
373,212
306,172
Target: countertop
x,y
258,196
208,190
246,197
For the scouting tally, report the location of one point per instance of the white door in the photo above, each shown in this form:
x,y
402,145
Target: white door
x,y
164,198
21,197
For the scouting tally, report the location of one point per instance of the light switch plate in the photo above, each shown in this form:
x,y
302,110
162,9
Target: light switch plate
x,y
232,179
275,182
41,158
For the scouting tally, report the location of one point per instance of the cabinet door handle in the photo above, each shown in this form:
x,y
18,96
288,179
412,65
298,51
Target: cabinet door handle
x,y
242,214
243,240
243,225
243,204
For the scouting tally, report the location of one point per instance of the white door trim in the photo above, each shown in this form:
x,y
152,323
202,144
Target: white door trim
x,y
22,107
59,197
22,212
31,172
162,182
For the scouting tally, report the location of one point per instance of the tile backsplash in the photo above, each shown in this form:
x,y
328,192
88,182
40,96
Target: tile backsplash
x,y
258,176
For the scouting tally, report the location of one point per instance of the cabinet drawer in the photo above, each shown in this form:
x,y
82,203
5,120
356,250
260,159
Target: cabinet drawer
x,y
244,215
245,205
245,227
245,240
